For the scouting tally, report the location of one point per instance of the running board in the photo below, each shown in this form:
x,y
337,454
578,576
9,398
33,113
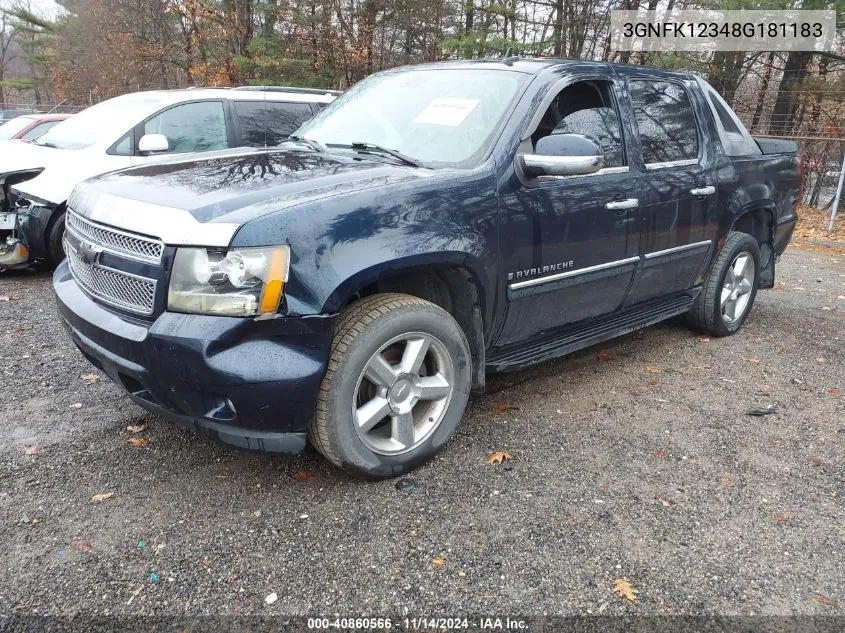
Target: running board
x,y
589,332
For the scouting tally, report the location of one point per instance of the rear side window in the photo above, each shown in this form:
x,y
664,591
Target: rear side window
x,y
665,121
38,130
192,127
270,122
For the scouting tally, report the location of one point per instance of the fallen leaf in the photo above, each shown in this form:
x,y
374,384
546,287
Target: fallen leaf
x,y
820,598
103,496
653,369
625,589
438,562
90,379
138,442
135,428
653,381
19,330
603,357
778,517
303,475
815,461
32,450
498,457
833,392
779,285
636,392
503,407
81,545
661,453
750,359
727,482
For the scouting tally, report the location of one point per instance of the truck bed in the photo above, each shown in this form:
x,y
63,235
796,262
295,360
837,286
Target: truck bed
x,y
776,145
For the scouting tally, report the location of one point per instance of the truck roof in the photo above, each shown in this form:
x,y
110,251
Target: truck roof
x,y
538,65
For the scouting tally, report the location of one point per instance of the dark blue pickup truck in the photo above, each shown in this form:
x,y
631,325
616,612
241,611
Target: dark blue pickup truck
x,y
352,286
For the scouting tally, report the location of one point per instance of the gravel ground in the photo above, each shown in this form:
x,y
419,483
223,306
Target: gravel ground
x,y
634,460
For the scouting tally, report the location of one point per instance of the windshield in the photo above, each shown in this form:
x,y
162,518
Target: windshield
x,y
10,128
438,117
104,121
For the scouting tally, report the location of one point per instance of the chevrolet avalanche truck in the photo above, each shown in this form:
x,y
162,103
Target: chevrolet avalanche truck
x,y
432,225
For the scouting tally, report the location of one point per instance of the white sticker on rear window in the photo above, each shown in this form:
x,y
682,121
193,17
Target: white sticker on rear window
x,y
450,111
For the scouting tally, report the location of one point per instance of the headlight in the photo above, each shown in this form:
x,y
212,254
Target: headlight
x,y
238,282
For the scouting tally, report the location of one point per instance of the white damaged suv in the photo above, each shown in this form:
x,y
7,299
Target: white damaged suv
x,y
37,178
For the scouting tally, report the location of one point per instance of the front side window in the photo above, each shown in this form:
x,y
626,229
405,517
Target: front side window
x,y
586,108
269,122
38,130
441,117
192,127
665,121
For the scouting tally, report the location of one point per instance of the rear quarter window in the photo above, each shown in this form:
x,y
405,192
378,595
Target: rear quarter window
x,y
270,122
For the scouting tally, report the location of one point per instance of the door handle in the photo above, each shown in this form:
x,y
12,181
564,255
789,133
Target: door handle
x,y
619,205
703,191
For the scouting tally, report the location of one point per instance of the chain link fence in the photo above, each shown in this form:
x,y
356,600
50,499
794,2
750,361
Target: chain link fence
x,y
44,108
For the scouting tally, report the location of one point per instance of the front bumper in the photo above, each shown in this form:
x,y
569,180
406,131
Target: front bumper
x,y
248,383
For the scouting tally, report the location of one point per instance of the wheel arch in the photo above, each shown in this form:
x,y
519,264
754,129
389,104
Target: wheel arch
x,y
758,220
449,280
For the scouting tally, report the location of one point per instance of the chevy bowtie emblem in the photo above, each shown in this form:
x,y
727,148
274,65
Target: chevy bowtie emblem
x,y
90,253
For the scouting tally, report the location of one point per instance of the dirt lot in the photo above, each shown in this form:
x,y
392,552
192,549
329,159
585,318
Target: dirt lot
x,y
632,460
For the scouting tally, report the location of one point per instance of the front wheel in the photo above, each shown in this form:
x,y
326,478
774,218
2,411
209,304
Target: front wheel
x,y
396,386
730,288
55,245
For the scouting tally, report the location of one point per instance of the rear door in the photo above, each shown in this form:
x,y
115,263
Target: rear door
x,y
677,201
268,123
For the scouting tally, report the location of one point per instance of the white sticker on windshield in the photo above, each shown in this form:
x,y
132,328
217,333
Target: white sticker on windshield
x,y
450,111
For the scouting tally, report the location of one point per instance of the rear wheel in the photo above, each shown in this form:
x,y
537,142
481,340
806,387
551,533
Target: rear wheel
x,y
396,386
730,288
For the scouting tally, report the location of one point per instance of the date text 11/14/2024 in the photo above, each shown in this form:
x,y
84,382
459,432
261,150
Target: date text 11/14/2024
x,y
420,624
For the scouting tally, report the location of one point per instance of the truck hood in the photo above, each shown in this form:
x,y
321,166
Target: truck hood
x,y
203,201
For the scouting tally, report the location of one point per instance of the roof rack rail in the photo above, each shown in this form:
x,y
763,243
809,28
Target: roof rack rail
x,y
307,91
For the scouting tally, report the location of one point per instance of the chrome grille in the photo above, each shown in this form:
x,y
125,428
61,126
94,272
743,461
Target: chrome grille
x,y
126,244
114,287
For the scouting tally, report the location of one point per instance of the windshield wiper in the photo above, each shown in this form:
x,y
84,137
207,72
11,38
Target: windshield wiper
x,y
46,144
371,148
317,147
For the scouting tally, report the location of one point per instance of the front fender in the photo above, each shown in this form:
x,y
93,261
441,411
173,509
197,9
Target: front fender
x,y
343,243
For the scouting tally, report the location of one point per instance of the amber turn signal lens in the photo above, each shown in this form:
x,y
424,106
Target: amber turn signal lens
x,y
274,284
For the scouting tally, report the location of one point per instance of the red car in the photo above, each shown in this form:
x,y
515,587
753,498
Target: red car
x,y
29,126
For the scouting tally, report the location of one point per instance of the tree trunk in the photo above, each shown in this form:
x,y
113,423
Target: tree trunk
x,y
786,104
764,88
557,34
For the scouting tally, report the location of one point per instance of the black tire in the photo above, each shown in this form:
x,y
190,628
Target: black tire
x,y
363,330
55,248
706,313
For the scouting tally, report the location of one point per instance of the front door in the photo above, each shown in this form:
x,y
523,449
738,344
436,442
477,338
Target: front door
x,y
566,242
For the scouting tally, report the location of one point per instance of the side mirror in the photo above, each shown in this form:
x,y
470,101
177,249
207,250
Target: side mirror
x,y
151,143
563,155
